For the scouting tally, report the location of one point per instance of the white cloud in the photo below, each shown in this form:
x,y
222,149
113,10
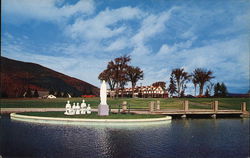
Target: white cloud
x,y
46,10
104,25
152,25
117,45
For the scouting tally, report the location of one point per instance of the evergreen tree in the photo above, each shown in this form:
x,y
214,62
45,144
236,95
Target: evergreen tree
x,y
223,90
36,95
65,95
51,92
58,94
220,90
28,93
217,90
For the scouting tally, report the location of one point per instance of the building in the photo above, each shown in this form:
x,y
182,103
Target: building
x,y
141,92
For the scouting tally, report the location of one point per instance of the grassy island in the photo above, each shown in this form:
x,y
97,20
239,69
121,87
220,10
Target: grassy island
x,y
92,115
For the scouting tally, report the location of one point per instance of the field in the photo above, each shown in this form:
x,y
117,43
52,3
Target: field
x,y
135,103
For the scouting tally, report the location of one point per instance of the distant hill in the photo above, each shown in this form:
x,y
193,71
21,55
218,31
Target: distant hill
x,y
18,76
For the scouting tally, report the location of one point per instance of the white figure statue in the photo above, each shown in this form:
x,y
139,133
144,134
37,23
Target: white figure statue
x,y
103,108
103,93
83,107
77,109
73,109
88,109
67,108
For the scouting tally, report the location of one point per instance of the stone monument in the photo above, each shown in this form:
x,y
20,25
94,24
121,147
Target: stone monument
x,y
103,108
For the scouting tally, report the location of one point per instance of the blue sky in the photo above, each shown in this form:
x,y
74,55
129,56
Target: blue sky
x,y
79,37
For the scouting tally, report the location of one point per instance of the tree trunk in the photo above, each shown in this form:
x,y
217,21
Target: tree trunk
x,y
195,90
133,88
201,89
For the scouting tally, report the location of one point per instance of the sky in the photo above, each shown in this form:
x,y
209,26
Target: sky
x,y
79,37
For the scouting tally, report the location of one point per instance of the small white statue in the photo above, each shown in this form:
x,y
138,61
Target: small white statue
x,y
83,107
67,108
88,109
77,109
73,109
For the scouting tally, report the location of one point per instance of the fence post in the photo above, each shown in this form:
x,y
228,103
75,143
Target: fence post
x,y
119,106
128,108
186,105
216,103
151,106
158,106
244,107
124,106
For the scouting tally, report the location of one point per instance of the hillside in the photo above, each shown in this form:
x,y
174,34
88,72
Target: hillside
x,y
18,76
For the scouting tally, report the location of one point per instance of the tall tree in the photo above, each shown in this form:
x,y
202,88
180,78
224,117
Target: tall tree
x,y
36,95
28,93
217,88
220,90
134,75
224,91
117,72
172,86
58,94
51,92
202,76
181,78
195,82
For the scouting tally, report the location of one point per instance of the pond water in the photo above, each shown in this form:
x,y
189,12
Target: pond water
x,y
179,138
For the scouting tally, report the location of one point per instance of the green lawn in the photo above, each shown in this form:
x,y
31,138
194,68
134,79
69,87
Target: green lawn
x,y
92,115
136,103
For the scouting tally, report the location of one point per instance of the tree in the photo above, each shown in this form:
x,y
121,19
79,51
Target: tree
x,y
172,86
217,88
65,95
161,84
210,87
116,73
207,93
180,78
28,93
202,76
223,89
134,75
108,76
220,90
36,95
195,82
58,94
51,92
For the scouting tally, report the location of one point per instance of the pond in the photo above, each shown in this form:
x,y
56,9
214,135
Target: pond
x,y
178,138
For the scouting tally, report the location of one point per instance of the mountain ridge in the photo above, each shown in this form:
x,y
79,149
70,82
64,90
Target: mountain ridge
x,y
18,76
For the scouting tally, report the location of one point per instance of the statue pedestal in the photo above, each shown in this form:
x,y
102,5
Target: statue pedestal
x,y
103,110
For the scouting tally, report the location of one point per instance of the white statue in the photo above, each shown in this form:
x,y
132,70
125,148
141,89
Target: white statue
x,y
103,93
88,109
77,109
83,107
73,109
67,108
103,108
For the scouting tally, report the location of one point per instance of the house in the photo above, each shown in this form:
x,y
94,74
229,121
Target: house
x,y
141,92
